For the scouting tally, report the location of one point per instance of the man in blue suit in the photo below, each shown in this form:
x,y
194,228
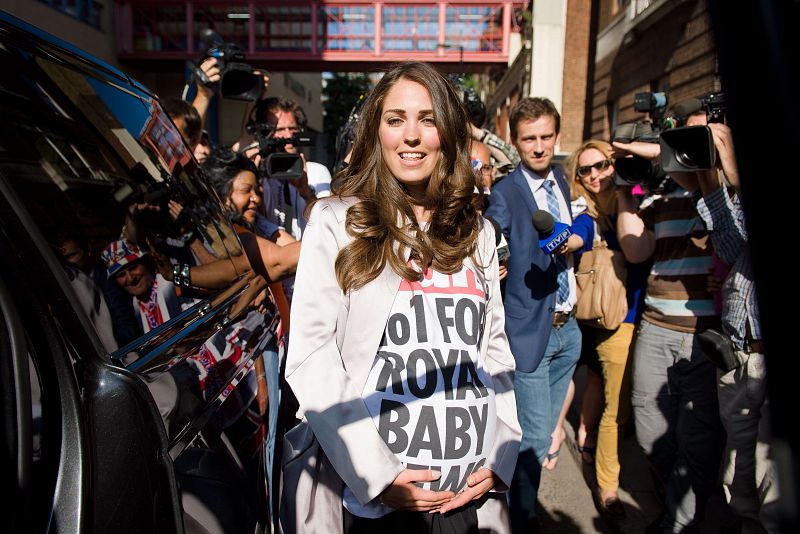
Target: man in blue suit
x,y
539,298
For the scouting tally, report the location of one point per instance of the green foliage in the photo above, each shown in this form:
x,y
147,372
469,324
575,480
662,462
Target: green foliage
x,y
470,82
340,93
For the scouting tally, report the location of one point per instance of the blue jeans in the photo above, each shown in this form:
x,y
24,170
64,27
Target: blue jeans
x,y
540,396
271,370
677,420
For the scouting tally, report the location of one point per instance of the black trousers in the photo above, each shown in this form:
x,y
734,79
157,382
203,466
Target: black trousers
x,y
461,521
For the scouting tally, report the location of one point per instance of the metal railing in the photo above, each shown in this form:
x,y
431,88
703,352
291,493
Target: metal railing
x,y
312,28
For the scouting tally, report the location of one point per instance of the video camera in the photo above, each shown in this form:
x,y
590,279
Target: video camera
x,y
637,170
237,80
691,148
154,218
274,161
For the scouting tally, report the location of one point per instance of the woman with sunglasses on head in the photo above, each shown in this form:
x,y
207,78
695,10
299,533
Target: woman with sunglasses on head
x,y
591,167
398,355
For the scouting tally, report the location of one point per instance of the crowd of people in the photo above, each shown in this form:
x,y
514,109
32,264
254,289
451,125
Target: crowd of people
x,y
424,382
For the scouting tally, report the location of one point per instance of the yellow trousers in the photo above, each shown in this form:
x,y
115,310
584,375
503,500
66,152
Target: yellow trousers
x,y
613,348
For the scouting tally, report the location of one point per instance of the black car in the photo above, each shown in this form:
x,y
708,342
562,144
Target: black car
x,y
108,424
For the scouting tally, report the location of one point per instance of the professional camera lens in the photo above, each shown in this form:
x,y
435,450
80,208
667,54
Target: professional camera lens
x,y
687,160
690,148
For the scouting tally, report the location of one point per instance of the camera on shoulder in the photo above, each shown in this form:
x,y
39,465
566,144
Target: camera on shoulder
x,y
636,170
276,162
691,148
683,148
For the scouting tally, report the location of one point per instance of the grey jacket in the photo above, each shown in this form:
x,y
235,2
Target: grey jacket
x,y
334,338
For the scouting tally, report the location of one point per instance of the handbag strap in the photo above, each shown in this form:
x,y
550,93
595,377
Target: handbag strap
x,y
599,240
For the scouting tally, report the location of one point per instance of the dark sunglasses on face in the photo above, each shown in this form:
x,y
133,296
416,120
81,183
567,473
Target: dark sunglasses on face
x,y
586,170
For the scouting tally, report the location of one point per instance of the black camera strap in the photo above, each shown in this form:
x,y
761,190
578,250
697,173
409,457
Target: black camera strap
x,y
287,208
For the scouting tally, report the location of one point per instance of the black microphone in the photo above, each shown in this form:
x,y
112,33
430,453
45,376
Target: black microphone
x,y
552,234
500,242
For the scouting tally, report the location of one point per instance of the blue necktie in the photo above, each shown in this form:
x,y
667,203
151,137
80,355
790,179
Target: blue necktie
x,y
561,264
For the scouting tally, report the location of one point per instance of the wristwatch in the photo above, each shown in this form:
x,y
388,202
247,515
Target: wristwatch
x,y
185,278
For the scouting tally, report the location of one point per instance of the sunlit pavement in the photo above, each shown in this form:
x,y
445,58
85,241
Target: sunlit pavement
x,y
565,498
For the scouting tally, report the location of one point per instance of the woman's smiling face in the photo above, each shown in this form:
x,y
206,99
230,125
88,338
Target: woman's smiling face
x,y
409,139
594,180
245,197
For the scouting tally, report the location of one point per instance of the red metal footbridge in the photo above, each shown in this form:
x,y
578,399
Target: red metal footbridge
x,y
321,35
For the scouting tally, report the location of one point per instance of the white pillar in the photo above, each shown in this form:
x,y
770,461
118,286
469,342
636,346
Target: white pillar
x,y
547,54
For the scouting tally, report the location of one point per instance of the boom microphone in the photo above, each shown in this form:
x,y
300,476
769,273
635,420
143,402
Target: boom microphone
x,y
552,234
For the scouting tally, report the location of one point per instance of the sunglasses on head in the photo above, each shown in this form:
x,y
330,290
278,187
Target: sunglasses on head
x,y
586,170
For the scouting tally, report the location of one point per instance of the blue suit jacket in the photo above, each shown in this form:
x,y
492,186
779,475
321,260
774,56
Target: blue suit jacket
x,y
530,290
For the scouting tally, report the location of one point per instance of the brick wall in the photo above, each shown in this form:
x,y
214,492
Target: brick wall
x,y
578,46
676,54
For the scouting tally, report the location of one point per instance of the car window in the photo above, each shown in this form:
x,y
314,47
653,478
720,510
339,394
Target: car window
x,y
108,182
107,193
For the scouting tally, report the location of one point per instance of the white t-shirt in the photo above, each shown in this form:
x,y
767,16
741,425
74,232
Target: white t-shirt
x,y
319,177
428,391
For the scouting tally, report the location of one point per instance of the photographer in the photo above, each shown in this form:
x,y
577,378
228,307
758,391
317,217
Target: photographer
x,y
748,473
285,201
674,395
205,91
207,84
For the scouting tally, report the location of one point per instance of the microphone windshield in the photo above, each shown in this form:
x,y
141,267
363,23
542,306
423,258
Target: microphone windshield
x,y
544,222
498,233
687,107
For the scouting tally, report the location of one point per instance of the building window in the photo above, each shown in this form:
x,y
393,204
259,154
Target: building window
x,y
475,28
640,6
87,11
348,28
410,28
163,28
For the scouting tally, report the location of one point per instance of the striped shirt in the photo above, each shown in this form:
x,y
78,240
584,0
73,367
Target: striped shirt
x,y
677,297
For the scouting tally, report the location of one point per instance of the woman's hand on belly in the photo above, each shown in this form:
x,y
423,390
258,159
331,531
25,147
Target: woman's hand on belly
x,y
402,494
478,484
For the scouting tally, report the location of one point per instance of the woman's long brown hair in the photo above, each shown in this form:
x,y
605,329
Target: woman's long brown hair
x,y
382,222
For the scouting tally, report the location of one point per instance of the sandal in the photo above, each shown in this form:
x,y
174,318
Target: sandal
x,y
586,452
551,457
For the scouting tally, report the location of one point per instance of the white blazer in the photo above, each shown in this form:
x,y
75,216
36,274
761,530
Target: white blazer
x,y
332,345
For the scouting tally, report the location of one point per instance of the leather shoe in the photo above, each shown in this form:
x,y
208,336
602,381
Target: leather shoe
x,y
611,507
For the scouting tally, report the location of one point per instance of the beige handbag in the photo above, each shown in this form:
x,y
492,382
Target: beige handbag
x,y
600,277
